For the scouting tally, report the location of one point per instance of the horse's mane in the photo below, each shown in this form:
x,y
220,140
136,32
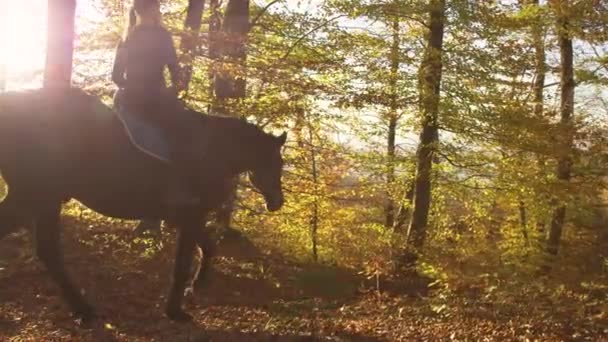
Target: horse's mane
x,y
226,128
232,127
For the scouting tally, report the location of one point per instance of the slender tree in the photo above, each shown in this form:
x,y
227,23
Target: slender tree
x,y
230,45
60,43
540,68
565,139
392,124
190,39
314,215
539,63
403,214
215,22
235,28
430,82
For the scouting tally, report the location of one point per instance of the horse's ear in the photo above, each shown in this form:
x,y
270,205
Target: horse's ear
x,y
282,138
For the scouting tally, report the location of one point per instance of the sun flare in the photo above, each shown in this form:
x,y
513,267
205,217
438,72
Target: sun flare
x,y
22,37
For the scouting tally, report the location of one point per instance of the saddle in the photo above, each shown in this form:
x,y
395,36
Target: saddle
x,y
144,135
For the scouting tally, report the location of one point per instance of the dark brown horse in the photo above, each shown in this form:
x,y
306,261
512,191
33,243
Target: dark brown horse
x,y
57,146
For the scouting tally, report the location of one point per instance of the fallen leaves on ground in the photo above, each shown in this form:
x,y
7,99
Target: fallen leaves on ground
x,y
254,296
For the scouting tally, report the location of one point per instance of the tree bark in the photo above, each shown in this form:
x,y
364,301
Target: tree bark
x,y
232,46
228,83
565,140
314,219
224,213
392,126
60,43
404,210
430,85
523,221
539,65
539,98
538,86
190,39
215,23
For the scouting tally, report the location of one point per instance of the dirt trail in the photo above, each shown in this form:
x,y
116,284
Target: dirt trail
x,y
250,296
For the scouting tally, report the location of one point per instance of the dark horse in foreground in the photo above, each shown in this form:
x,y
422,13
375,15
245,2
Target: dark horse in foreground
x,y
71,146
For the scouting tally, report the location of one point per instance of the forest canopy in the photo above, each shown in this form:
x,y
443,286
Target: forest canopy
x,y
443,139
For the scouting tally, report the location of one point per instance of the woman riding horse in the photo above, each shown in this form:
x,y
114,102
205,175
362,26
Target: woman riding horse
x,y
55,147
138,71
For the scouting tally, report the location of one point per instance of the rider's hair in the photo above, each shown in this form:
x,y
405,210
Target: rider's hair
x,y
138,7
131,22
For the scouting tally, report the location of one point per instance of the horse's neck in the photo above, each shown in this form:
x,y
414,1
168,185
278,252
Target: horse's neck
x,y
236,158
234,152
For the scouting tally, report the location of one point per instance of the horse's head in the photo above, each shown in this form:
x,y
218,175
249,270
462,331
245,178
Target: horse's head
x,y
267,171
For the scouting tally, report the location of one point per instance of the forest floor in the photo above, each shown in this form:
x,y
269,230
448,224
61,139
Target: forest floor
x,y
252,295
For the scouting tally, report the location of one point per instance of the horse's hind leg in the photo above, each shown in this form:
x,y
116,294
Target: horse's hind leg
x,y
48,248
186,242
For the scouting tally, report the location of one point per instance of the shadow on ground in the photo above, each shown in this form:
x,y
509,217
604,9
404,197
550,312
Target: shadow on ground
x,y
248,295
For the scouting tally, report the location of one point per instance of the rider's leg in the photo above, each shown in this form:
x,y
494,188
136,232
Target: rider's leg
x,y
182,179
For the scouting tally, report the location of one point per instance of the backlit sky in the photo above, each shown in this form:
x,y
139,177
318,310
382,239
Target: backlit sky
x,y
23,37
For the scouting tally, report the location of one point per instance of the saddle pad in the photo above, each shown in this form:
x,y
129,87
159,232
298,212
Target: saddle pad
x,y
148,138
145,136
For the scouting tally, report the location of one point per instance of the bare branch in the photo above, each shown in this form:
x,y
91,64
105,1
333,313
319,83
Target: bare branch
x,y
262,12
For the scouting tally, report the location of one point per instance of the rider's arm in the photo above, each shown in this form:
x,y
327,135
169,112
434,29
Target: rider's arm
x,y
120,65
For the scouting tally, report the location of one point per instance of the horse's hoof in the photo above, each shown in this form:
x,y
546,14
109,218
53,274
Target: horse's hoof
x,y
179,315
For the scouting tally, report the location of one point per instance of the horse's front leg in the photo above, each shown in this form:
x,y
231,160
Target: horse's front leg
x,y
186,240
49,250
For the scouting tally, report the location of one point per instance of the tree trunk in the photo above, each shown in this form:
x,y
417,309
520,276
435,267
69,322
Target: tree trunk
x,y
314,219
215,22
392,127
190,39
523,221
404,210
539,65
430,83
566,111
234,43
538,91
60,43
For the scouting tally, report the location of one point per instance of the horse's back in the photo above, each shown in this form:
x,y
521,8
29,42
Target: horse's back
x,y
49,110
56,131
